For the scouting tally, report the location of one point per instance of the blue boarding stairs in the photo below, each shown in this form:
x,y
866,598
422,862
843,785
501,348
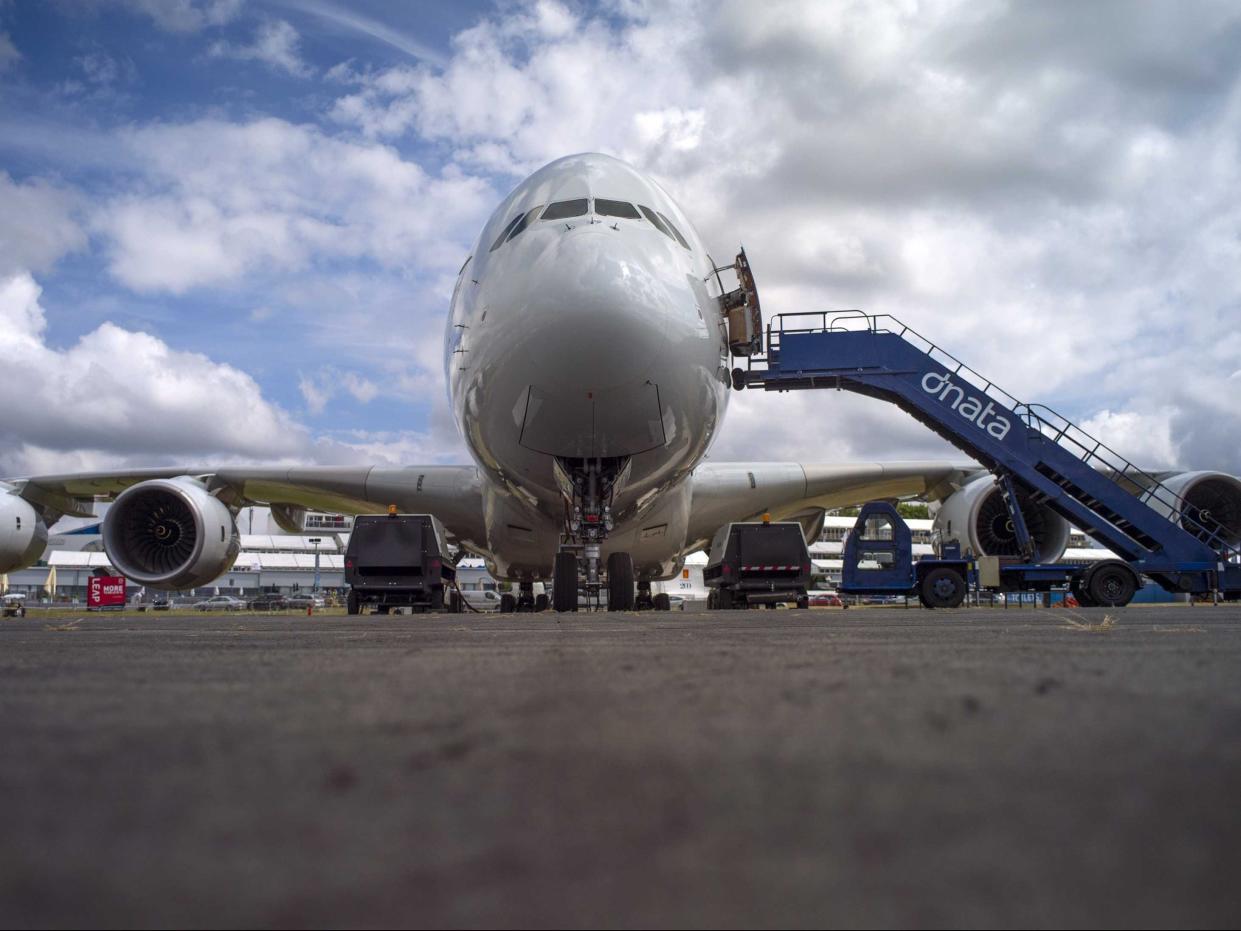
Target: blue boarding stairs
x,y
1025,446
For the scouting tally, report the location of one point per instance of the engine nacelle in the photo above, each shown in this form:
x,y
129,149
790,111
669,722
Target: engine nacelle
x,y
170,533
977,518
23,535
289,518
1215,498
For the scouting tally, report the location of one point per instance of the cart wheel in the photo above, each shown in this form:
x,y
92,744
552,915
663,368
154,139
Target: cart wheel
x,y
1111,584
942,588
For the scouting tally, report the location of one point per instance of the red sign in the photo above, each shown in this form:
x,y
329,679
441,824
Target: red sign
x,y
105,591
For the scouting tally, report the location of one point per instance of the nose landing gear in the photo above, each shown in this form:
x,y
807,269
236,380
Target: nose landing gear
x,y
588,521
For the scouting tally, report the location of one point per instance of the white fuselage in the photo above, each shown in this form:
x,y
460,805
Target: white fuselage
x,y
595,335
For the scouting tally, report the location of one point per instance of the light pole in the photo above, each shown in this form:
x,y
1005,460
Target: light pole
x,y
316,541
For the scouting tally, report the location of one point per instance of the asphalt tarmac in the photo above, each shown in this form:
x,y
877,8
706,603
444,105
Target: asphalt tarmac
x,y
866,767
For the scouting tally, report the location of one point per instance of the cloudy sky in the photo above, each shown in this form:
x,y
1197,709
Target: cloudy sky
x,y
229,228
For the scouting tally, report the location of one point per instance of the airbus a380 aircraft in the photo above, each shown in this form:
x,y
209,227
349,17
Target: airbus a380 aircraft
x,y
587,358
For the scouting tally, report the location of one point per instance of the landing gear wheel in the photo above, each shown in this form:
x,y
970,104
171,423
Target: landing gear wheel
x,y
541,602
620,582
508,604
564,582
351,602
1111,584
942,588
662,602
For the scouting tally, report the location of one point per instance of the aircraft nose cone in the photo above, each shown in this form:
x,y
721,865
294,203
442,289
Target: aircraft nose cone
x,y
601,313
597,328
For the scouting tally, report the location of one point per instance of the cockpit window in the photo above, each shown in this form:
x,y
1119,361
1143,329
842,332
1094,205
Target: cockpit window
x,y
563,209
523,223
655,221
504,233
615,208
675,232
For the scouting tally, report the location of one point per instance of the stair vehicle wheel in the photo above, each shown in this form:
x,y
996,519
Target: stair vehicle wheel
x,y
620,582
1111,584
564,582
351,602
437,599
508,603
942,588
662,602
454,602
541,602
803,602
1077,588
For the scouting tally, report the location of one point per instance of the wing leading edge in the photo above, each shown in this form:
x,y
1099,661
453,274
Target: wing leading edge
x,y
739,491
451,493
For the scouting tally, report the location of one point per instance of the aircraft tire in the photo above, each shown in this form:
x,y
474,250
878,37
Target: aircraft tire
x,y
620,582
662,602
564,582
541,602
508,603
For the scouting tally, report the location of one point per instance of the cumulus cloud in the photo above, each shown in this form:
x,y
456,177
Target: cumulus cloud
x,y
186,15
160,402
275,44
220,200
321,387
39,224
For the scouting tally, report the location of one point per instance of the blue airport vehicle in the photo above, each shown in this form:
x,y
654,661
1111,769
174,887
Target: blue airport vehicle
x,y
878,560
1029,447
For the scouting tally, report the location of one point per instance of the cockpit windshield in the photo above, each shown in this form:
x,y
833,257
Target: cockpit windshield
x,y
563,209
675,232
523,222
615,208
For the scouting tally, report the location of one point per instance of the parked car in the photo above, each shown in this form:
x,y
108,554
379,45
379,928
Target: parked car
x,y
484,600
825,600
300,601
269,601
221,603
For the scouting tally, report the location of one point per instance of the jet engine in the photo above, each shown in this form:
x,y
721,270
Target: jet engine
x,y
1214,499
977,517
23,535
170,533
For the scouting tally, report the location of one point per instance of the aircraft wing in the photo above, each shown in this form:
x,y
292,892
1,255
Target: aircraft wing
x,y
452,493
741,491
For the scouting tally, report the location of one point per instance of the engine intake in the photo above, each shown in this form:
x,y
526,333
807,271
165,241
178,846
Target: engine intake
x,y
1214,503
170,533
977,517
